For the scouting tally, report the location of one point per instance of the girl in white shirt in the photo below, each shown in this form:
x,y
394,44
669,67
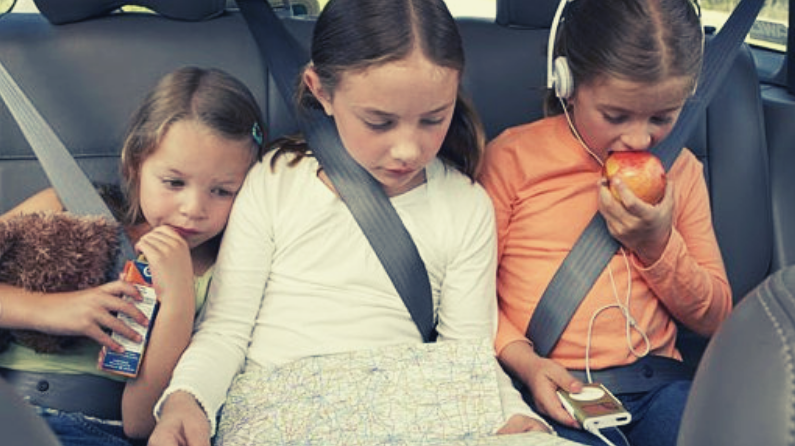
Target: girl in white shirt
x,y
296,276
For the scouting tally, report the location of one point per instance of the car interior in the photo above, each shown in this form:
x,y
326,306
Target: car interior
x,y
86,75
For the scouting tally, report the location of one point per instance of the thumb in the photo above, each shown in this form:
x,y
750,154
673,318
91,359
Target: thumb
x,y
567,382
575,386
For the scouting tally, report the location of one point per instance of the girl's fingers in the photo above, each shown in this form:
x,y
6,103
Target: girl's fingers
x,y
106,340
121,288
161,244
119,304
129,309
161,235
119,327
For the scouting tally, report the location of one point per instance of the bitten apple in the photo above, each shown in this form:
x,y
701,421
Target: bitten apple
x,y
641,171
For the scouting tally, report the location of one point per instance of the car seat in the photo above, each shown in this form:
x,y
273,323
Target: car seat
x,y
19,424
744,390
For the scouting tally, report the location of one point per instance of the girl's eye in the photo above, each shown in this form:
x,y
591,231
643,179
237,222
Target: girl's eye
x,y
223,192
615,119
661,120
379,126
432,122
173,183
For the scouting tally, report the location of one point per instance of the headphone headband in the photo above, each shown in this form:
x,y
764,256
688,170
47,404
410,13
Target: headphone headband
x,y
558,73
553,32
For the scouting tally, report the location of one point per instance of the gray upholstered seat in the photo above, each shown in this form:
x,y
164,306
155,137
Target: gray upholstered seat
x,y
744,390
19,424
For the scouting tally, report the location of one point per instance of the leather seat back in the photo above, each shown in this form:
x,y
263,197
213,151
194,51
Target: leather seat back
x,y
744,390
19,424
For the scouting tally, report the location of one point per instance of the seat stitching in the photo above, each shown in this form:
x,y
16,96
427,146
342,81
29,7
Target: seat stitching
x,y
788,359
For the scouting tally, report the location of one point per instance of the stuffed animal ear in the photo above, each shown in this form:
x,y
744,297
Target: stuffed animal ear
x,y
59,12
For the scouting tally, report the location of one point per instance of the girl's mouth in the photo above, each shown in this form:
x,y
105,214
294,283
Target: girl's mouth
x,y
184,232
399,172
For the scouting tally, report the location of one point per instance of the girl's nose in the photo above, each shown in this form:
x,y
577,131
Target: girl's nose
x,y
193,205
637,138
407,149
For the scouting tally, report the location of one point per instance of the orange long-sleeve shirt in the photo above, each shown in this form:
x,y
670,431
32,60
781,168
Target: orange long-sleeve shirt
x,y
544,188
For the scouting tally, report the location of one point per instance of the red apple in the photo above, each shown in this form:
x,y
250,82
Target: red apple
x,y
641,171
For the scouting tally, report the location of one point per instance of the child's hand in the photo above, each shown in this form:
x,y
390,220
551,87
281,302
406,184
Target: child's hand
x,y
90,313
640,227
169,258
522,423
182,423
547,377
543,376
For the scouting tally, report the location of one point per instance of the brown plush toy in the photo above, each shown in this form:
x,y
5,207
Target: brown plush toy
x,y
55,252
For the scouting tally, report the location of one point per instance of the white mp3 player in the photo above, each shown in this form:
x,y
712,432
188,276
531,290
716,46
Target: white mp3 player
x,y
595,407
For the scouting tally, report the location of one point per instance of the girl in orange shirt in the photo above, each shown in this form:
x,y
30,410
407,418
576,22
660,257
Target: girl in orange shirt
x,y
623,72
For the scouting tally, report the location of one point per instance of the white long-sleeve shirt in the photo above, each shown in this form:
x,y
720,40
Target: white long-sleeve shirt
x,y
296,277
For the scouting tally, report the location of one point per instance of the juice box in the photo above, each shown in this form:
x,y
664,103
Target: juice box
x,y
128,363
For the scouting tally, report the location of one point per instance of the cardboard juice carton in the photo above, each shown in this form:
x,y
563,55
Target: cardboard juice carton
x,y
128,363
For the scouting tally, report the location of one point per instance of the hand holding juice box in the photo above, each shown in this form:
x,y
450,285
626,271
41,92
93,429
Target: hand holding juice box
x,y
128,362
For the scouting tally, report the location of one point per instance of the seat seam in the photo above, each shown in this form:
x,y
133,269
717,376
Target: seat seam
x,y
788,362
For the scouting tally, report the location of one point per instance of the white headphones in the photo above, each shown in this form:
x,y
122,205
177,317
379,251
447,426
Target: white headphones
x,y
558,73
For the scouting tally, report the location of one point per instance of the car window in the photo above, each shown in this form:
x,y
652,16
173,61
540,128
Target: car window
x,y
6,6
24,6
769,30
473,8
464,8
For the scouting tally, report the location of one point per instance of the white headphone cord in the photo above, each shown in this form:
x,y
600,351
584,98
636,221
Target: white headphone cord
x,y
625,311
601,436
630,321
577,134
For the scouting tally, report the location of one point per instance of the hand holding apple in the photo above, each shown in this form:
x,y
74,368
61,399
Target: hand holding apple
x,y
641,171
641,228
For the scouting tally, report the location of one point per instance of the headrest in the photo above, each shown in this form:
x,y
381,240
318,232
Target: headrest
x,y
66,11
526,14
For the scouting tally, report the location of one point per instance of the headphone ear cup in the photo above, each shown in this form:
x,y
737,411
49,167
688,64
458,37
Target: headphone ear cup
x,y
564,83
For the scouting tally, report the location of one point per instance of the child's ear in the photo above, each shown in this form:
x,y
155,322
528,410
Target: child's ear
x,y
312,81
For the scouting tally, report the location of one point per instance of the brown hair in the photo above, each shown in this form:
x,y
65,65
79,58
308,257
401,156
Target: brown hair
x,y
211,97
637,40
353,35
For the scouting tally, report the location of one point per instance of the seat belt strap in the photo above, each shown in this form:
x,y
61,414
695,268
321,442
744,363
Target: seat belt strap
x,y
571,282
720,52
71,184
595,248
284,58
